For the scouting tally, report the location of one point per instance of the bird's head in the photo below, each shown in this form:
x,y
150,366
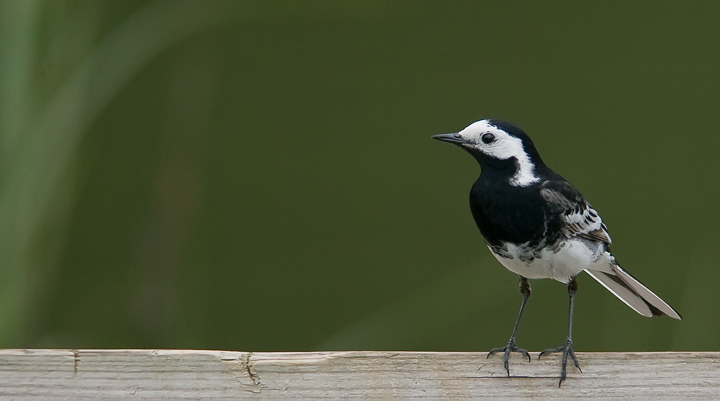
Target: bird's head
x,y
499,145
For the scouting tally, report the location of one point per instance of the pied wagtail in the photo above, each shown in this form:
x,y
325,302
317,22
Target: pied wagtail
x,y
539,226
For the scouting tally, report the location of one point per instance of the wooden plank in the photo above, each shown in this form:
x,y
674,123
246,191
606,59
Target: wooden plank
x,y
223,375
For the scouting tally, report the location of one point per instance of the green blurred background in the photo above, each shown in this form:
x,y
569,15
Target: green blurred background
x,y
259,175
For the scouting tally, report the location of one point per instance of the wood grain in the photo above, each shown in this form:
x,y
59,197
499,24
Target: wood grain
x,y
223,375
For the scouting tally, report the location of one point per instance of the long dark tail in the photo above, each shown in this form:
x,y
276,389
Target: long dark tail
x,y
632,292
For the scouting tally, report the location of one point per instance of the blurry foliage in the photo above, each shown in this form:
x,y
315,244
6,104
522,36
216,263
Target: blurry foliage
x,y
258,175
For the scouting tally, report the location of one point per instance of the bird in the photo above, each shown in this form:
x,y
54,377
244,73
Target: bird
x,y
538,225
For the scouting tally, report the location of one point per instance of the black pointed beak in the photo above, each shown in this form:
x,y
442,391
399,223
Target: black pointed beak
x,y
452,138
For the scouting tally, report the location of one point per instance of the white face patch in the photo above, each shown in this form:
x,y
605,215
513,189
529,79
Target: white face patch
x,y
503,146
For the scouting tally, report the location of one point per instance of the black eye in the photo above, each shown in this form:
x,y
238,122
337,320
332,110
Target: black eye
x,y
487,138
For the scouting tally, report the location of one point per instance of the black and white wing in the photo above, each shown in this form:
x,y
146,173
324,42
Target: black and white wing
x,y
577,217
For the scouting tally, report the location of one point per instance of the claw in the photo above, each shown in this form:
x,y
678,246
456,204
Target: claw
x,y
567,350
506,350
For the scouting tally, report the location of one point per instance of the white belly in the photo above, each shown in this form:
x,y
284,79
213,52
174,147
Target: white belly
x,y
574,256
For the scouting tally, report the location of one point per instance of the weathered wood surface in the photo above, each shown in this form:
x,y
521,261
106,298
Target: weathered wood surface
x,y
221,375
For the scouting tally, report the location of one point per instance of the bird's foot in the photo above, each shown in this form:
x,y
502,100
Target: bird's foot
x,y
567,350
506,350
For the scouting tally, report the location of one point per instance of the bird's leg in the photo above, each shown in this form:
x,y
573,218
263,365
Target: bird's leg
x,y
511,347
567,348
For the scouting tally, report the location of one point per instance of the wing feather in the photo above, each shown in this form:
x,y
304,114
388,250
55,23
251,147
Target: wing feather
x,y
578,218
